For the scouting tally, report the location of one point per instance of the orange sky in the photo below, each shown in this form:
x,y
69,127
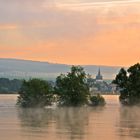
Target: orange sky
x,y
76,32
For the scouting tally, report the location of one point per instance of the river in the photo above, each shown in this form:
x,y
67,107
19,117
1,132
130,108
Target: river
x,y
112,122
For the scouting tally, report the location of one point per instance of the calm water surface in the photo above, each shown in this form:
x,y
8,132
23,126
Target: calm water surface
x,y
112,122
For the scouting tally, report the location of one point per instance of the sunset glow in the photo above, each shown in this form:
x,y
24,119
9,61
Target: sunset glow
x,y
73,32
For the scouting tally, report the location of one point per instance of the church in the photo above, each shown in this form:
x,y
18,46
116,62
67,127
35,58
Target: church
x,y
99,77
99,85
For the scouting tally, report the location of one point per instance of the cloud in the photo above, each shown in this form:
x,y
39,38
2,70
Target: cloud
x,y
80,6
8,27
76,31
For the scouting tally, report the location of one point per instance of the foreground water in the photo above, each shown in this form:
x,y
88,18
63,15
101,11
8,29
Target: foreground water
x,y
112,122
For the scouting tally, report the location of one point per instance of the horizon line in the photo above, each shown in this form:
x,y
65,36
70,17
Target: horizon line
x,y
50,62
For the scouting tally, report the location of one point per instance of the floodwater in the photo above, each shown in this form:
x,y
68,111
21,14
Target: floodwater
x,y
112,122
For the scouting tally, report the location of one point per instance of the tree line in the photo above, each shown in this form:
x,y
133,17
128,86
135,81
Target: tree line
x,y
70,89
8,86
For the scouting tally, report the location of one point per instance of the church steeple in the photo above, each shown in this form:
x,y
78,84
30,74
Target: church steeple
x,y
99,76
99,72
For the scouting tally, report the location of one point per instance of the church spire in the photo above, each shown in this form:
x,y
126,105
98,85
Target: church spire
x,y
99,76
99,72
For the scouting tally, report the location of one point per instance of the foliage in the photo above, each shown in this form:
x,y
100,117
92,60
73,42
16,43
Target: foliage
x,y
97,100
9,86
35,93
129,84
72,88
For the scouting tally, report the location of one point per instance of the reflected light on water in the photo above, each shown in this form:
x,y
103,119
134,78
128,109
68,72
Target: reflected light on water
x,y
112,122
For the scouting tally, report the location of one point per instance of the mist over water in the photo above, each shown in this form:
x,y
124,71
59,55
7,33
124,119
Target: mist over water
x,y
112,122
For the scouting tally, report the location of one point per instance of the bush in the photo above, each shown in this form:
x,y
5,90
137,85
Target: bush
x,y
35,93
97,100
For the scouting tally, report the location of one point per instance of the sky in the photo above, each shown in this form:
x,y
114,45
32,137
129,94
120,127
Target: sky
x,y
81,32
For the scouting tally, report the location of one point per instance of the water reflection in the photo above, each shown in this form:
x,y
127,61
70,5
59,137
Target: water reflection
x,y
35,117
74,121
67,122
130,122
112,122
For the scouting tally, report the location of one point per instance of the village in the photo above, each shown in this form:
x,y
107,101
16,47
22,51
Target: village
x,y
100,86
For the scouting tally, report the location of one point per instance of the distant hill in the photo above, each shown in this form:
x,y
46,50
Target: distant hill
x,y
15,68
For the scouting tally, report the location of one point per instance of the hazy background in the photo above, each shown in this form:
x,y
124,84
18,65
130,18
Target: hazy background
x,y
21,69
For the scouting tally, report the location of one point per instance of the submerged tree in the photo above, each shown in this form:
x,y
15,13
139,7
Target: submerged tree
x,y
129,84
72,88
97,100
35,93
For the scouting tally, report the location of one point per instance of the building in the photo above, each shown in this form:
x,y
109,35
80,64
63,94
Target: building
x,y
99,77
100,86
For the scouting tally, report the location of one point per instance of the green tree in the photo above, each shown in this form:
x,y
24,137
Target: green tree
x,y
35,93
72,88
129,84
121,81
